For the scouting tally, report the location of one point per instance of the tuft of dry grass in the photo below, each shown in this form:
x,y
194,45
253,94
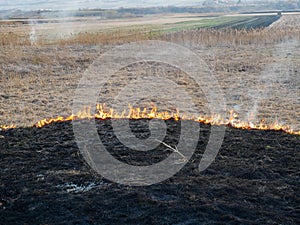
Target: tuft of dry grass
x,y
13,39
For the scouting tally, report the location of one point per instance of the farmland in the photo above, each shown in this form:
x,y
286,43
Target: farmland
x,y
238,22
51,31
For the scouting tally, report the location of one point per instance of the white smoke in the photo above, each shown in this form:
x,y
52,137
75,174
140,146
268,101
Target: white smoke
x,y
32,35
276,72
67,26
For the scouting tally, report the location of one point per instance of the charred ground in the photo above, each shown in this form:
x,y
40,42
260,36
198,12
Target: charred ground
x,y
44,179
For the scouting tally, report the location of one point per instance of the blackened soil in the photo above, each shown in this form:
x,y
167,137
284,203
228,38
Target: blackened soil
x,y
255,179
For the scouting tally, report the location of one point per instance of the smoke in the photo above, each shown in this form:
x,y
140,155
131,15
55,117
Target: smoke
x,y
275,73
32,35
63,28
67,26
58,25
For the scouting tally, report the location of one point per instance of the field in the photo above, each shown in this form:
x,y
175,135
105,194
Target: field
x,y
255,178
39,80
97,31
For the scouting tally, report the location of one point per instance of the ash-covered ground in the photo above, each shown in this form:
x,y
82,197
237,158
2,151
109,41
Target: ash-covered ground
x,y
45,180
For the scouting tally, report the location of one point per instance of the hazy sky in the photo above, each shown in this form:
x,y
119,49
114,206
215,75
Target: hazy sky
x,y
75,4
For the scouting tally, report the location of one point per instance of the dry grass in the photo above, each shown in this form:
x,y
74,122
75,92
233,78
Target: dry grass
x,y
13,39
207,37
229,37
38,81
107,38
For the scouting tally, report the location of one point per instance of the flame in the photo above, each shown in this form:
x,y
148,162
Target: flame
x,y
7,127
144,113
153,113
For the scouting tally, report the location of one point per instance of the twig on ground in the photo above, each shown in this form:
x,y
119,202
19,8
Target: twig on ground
x,y
174,149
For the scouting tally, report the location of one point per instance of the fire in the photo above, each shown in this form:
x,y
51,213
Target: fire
x,y
102,113
138,113
7,127
144,113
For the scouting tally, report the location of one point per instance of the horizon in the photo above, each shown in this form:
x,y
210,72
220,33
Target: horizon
x,y
28,5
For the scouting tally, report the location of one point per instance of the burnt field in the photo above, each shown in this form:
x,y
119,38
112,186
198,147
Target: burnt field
x,y
45,180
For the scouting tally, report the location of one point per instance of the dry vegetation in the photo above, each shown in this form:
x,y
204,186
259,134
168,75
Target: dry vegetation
x,y
38,81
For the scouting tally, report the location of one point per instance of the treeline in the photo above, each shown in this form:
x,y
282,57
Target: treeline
x,y
138,12
134,12
170,9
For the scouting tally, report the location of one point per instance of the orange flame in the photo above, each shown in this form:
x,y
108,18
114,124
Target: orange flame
x,y
138,113
7,127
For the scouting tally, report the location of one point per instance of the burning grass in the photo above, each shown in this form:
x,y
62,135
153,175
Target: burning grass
x,y
232,119
103,113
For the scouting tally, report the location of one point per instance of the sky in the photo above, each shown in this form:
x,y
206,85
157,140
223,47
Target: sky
x,y
75,4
